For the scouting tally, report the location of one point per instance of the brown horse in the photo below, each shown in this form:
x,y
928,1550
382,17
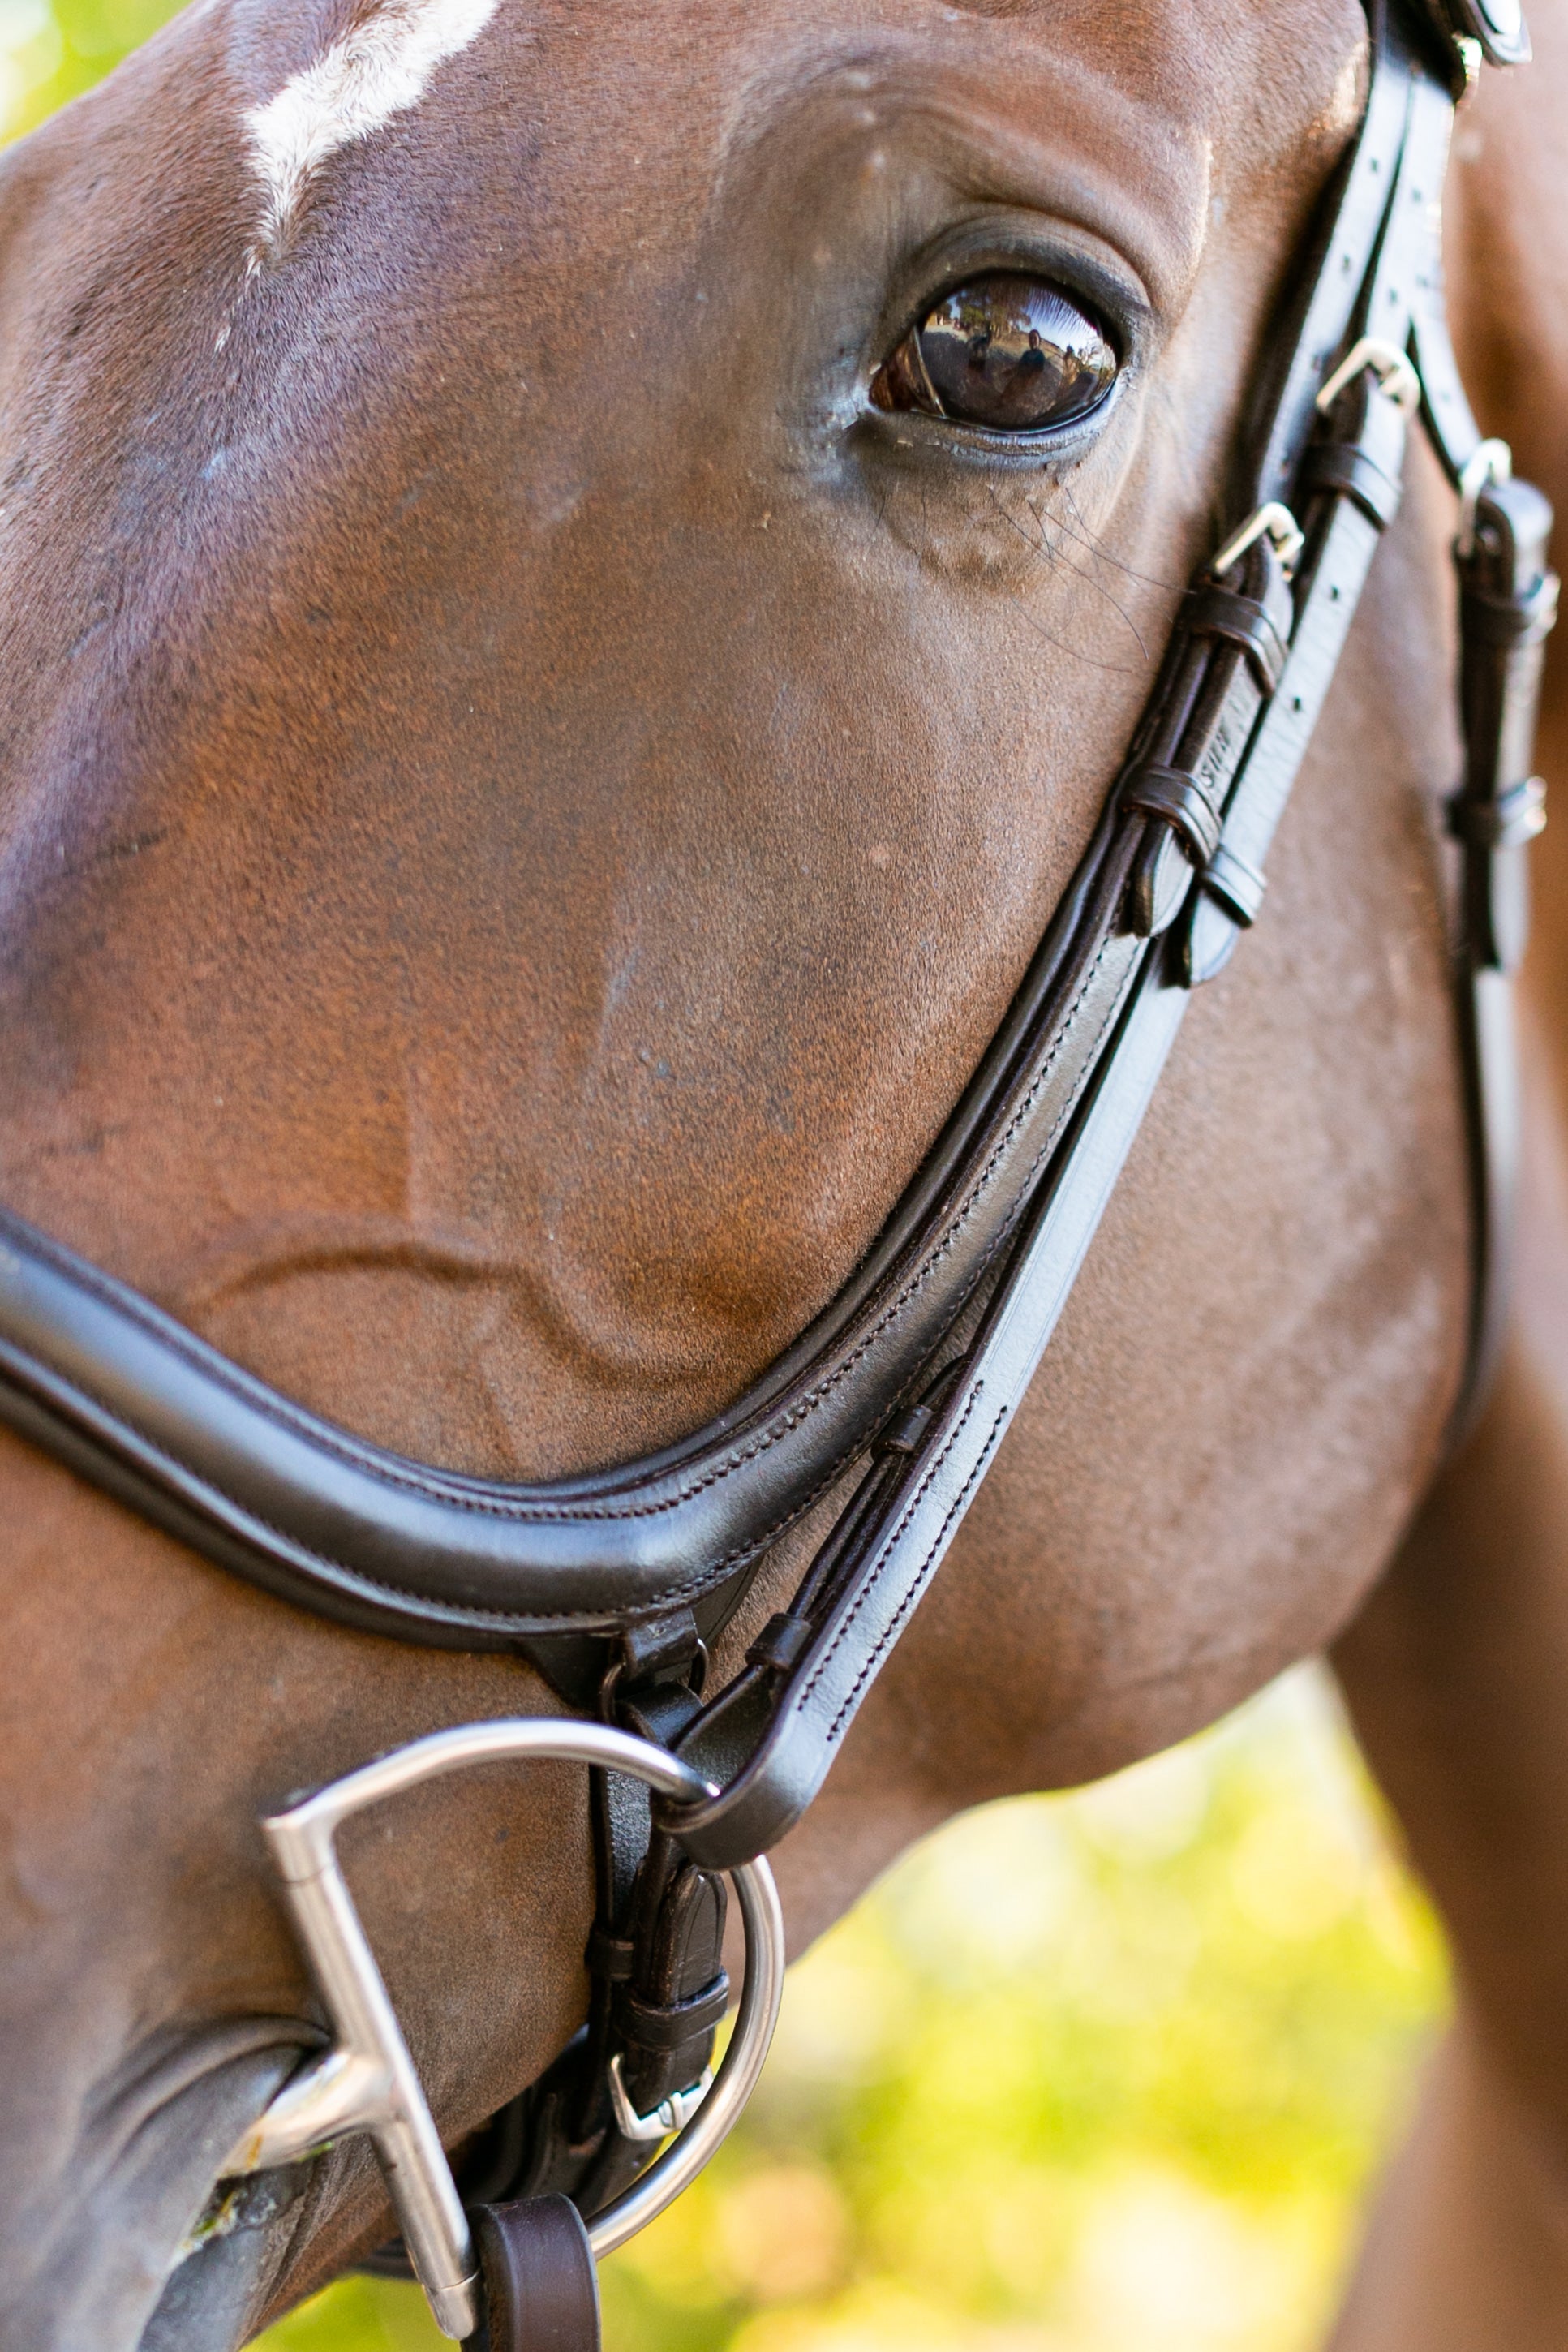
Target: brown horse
x,y
519,818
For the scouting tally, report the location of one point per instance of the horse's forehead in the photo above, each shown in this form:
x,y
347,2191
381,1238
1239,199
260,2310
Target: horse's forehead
x,y
649,103
379,64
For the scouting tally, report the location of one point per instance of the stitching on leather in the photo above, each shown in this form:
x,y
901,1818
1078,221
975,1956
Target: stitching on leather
x,y
335,1572
922,1578
455,1612
922,1572
890,1545
322,1437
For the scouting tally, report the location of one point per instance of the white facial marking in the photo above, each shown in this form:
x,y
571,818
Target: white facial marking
x,y
378,69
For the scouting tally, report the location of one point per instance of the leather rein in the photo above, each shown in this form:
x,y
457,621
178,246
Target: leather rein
x,y
884,1416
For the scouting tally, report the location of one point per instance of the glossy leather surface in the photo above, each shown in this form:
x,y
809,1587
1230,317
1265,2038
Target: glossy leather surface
x,y
142,1406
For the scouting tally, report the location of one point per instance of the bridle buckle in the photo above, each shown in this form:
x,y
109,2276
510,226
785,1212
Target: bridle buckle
x,y
1395,369
1490,462
1272,521
671,2115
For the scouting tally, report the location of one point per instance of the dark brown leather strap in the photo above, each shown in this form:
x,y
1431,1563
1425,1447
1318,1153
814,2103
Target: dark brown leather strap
x,y
558,1570
1183,800
1212,611
1508,602
540,2286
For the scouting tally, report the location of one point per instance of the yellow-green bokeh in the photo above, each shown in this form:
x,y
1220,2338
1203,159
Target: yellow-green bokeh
x,y
50,52
1106,2072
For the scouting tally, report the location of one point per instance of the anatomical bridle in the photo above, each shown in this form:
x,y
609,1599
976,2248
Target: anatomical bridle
x,y
881,1421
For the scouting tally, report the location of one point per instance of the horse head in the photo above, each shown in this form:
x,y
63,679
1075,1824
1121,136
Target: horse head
x,y
540,742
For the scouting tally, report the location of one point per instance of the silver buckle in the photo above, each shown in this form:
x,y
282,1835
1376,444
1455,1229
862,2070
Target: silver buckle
x,y
1488,462
367,2081
1272,521
671,2115
1394,369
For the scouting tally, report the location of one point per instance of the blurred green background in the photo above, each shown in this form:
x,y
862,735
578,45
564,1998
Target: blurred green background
x,y
1104,2073
49,53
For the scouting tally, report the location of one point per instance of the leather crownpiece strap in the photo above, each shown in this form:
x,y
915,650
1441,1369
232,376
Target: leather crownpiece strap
x,y
540,2286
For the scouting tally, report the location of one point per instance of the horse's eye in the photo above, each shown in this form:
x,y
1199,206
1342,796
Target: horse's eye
x,y
1011,353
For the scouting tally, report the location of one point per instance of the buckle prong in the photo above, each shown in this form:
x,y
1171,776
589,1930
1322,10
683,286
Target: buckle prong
x,y
1394,369
1272,521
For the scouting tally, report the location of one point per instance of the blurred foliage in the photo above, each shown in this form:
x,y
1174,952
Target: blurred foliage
x,y
52,52
1104,2073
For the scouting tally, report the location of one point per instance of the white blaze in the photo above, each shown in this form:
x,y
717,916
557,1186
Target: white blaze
x,y
378,69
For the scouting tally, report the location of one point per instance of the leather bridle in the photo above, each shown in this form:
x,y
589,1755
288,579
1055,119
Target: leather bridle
x,y
884,1416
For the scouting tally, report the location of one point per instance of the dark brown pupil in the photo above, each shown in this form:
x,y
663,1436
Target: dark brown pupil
x,y
1009,354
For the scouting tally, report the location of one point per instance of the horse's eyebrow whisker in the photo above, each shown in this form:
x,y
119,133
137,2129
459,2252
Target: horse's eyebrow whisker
x,y
1112,669
380,68
1052,555
1096,547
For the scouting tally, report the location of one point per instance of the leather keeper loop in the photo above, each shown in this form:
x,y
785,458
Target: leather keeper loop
x,y
1510,821
612,1957
1182,802
1343,470
666,2025
782,1643
658,1647
1212,612
1508,620
907,1433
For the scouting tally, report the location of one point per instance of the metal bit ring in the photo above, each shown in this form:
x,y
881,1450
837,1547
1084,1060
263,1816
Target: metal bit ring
x,y
367,2081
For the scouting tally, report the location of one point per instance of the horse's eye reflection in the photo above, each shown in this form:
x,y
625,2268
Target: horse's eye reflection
x,y
1009,354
